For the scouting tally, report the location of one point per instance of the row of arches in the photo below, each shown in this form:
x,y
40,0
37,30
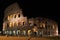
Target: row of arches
x,y
22,33
14,16
41,25
28,32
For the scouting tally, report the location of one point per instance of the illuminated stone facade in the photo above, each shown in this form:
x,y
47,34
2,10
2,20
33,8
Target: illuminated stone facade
x,y
14,23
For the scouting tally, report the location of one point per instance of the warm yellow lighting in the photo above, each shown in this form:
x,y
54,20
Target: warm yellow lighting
x,y
14,15
13,24
53,26
11,16
40,24
8,18
44,25
17,23
35,29
18,15
10,24
31,23
22,21
56,32
29,32
4,26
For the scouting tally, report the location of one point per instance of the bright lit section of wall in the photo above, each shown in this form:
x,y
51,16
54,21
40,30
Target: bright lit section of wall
x,y
57,32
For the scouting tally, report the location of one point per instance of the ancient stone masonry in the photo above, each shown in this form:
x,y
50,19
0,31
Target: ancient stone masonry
x,y
14,23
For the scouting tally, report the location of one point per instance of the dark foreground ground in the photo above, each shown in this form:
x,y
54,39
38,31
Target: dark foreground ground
x,y
28,38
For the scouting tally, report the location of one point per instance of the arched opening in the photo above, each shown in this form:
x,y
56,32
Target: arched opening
x,y
29,32
35,25
24,33
14,16
35,30
18,15
18,32
23,23
31,23
35,33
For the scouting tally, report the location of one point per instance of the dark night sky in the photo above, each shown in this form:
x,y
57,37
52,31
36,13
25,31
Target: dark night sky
x,y
32,9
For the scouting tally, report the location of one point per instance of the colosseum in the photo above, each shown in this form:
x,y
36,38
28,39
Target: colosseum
x,y
16,24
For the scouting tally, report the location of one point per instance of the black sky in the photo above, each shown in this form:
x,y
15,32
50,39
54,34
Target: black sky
x,y
32,9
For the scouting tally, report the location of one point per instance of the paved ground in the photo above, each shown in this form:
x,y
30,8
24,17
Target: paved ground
x,y
28,38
